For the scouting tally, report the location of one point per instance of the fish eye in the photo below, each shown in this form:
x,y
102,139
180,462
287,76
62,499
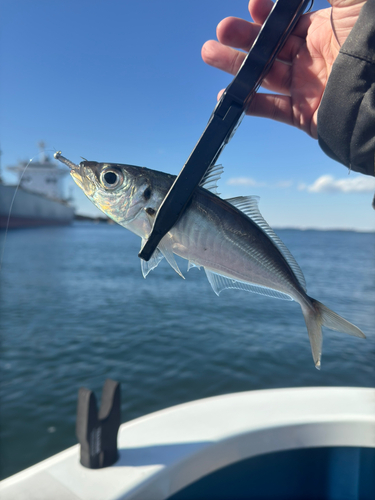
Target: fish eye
x,y
111,178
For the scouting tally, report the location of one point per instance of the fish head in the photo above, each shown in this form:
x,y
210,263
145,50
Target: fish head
x,y
122,192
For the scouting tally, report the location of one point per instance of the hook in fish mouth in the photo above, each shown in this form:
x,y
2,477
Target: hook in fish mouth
x,y
75,171
64,160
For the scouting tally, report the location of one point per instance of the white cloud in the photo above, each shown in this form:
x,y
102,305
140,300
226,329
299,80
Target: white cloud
x,y
328,184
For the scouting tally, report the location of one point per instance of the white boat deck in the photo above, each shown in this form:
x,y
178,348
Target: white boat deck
x,y
163,452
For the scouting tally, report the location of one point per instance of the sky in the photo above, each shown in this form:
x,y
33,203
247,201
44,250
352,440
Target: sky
x,y
123,81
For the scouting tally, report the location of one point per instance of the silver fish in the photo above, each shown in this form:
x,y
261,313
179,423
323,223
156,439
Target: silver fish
x,y
228,238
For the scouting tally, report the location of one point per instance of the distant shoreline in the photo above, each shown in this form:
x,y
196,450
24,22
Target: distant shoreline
x,y
325,229
107,220
96,220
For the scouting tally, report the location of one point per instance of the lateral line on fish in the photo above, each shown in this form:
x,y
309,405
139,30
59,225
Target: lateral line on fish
x,y
257,256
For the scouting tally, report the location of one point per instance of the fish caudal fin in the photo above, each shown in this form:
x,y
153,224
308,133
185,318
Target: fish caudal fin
x,y
319,315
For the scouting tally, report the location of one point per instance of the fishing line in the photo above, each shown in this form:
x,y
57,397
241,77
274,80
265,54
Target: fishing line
x,y
12,202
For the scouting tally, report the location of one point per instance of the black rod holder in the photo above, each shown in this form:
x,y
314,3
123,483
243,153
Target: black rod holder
x,y
97,432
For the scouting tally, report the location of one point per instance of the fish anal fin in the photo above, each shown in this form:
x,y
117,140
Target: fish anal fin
x,y
220,283
192,264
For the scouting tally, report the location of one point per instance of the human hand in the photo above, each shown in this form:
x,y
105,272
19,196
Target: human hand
x,y
300,73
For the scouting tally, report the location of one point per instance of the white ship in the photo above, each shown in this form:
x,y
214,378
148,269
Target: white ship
x,y
39,200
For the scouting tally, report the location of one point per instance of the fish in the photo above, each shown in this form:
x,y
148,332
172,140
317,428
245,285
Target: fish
x,y
228,238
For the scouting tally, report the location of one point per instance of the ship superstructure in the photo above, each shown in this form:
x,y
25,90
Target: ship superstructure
x,y
39,199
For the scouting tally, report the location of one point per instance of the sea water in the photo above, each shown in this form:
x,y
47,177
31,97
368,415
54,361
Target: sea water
x,y
76,310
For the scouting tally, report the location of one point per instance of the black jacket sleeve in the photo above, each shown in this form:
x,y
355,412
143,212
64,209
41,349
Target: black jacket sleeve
x,y
346,116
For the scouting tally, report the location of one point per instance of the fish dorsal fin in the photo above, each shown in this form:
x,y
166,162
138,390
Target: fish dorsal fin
x,y
165,249
211,178
249,206
220,283
148,266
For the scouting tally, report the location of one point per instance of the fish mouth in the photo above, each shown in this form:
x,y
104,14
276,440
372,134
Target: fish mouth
x,y
81,178
78,173
78,179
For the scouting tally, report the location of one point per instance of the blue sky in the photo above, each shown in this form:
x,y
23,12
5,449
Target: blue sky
x,y
123,81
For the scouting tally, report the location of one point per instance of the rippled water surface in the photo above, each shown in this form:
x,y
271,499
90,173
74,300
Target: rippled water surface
x,y
76,310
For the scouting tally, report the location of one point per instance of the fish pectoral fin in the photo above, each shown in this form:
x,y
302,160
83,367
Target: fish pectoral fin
x,y
168,254
148,266
220,283
162,250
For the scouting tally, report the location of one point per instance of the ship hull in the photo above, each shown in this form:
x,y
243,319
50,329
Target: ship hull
x,y
31,209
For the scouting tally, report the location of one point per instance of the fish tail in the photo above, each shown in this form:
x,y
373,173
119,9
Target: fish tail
x,y
317,315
